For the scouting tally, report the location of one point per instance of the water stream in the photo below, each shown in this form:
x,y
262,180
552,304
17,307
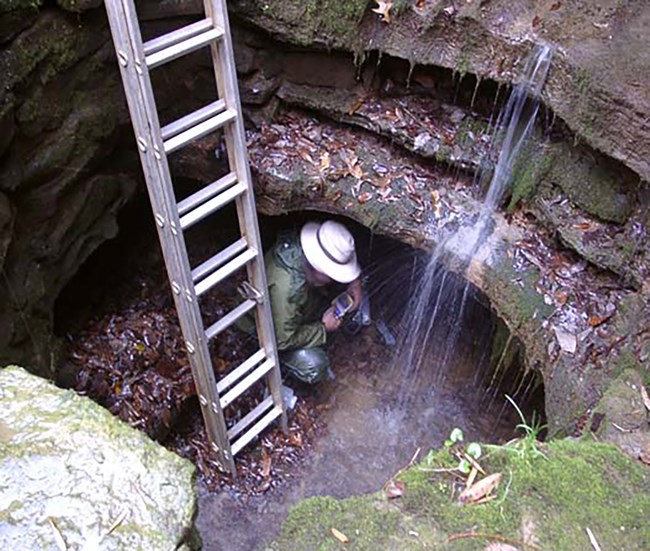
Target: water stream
x,y
436,299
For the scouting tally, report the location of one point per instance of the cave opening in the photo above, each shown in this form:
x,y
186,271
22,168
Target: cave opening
x,y
124,350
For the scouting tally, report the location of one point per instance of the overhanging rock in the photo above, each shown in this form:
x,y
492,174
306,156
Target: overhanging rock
x,y
74,476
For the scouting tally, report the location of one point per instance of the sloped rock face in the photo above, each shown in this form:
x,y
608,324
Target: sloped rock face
x,y
60,108
72,471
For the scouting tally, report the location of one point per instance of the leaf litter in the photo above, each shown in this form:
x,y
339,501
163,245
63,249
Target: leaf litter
x,y
131,359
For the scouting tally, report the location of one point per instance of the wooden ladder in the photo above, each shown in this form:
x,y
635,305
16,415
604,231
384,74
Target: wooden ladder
x,y
136,59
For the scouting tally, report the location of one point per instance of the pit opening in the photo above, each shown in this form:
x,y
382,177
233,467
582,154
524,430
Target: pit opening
x,y
124,350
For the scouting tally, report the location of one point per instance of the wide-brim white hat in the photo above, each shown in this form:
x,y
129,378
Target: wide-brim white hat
x,y
329,248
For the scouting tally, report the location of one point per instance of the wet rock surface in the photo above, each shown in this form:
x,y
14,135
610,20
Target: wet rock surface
x,y
424,82
595,85
74,476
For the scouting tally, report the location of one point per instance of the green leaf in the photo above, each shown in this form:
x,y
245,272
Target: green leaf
x,y
448,443
464,466
456,435
474,449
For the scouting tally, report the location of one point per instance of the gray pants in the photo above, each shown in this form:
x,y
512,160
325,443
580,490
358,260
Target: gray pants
x,y
309,365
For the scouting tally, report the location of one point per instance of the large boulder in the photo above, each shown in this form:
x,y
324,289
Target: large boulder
x,y
73,475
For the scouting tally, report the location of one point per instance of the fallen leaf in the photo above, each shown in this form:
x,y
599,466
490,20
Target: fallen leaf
x,y
120,518
536,20
480,489
324,161
395,488
364,197
340,536
555,6
561,297
58,537
307,157
357,172
355,107
567,341
582,226
383,9
266,466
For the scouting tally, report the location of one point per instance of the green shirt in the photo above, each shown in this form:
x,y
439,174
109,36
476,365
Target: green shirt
x,y
297,307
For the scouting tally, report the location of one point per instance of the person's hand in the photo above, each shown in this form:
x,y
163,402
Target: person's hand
x,y
356,292
330,321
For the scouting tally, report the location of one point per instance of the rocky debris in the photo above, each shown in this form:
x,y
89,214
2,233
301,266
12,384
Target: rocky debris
x,y
74,476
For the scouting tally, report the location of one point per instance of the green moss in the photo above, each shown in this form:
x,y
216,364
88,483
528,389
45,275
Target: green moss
x,y
367,525
333,21
581,485
443,153
532,165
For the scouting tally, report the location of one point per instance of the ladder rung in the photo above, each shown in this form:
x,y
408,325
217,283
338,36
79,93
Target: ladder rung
x,y
188,121
207,208
160,43
200,130
256,429
206,193
230,318
223,272
243,423
247,382
181,48
240,371
218,259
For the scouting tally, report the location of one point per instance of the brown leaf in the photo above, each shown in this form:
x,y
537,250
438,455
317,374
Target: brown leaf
x,y
395,488
355,107
480,489
266,466
582,226
364,197
561,297
536,20
555,6
357,172
324,161
340,536
307,157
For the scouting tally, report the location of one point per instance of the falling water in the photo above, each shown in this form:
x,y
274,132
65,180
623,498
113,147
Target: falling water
x,y
435,311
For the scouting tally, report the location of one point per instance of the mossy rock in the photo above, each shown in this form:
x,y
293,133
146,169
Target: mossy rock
x,y
72,471
545,500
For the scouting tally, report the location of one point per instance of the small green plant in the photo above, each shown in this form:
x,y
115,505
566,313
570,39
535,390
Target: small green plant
x,y
473,450
527,448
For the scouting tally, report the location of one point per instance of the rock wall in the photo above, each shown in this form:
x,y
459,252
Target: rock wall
x,y
383,122
74,476
61,105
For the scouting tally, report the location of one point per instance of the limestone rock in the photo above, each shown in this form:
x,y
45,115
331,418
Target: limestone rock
x,y
71,469
600,70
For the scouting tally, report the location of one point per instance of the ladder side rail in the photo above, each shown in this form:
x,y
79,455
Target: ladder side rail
x,y
227,86
146,126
